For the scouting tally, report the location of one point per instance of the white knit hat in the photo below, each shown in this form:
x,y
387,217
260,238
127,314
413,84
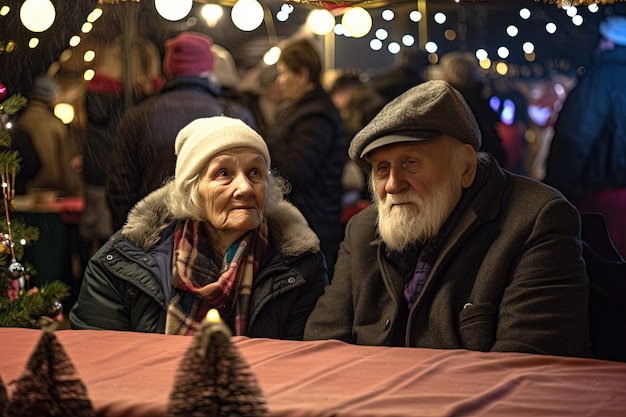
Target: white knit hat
x,y
203,139
613,28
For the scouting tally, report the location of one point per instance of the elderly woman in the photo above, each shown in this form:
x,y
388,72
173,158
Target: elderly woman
x,y
219,235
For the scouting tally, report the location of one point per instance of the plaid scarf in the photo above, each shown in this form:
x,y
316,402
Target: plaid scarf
x,y
201,284
427,254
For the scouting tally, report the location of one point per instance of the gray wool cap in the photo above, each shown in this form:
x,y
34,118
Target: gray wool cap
x,y
430,109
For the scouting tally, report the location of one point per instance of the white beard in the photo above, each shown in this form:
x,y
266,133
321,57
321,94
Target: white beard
x,y
405,225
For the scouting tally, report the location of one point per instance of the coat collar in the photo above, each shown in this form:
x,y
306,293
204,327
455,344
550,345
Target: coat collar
x,y
286,224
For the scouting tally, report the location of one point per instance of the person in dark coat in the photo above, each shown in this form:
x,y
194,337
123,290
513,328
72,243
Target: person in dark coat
x,y
308,146
587,158
141,156
219,235
31,163
455,252
460,70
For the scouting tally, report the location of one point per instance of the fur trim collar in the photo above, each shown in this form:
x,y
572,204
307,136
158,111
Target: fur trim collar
x,y
285,222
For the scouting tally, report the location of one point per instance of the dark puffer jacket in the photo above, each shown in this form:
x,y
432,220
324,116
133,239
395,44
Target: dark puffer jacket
x,y
127,284
142,155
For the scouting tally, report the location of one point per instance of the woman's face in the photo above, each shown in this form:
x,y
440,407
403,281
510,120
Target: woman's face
x,y
292,85
233,187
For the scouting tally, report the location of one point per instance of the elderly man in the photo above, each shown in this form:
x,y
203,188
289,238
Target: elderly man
x,y
455,252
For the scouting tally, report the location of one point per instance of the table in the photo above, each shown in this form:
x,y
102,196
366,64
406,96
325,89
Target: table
x,y
131,374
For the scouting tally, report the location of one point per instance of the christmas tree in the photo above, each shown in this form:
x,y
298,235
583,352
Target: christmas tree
x,y
50,385
21,305
213,379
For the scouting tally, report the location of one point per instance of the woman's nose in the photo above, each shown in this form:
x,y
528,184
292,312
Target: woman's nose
x,y
242,185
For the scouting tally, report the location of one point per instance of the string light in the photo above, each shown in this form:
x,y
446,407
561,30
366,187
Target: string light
x,y
37,15
247,15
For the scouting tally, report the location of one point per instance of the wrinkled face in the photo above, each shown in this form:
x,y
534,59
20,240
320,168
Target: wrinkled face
x,y
417,185
233,187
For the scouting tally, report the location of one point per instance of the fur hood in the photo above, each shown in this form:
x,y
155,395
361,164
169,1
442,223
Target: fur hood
x,y
285,222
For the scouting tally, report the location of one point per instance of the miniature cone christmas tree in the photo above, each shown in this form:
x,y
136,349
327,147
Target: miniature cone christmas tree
x,y
213,379
50,386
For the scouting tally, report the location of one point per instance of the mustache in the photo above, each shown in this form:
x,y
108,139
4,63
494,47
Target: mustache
x,y
404,198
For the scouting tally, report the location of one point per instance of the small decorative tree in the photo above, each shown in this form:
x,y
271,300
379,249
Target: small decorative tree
x,y
21,304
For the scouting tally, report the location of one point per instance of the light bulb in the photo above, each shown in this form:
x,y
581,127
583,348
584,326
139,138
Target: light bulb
x,y
357,22
37,15
247,15
173,9
320,21
65,112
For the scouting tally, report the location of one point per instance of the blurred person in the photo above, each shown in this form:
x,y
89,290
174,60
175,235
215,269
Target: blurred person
x,y
460,70
264,98
358,103
307,144
409,72
587,159
104,106
56,187
514,122
218,235
455,252
141,155
57,150
30,162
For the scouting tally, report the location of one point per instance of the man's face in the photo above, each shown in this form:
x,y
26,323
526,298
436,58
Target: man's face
x,y
417,185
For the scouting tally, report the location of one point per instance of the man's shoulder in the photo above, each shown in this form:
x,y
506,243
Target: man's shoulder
x,y
526,186
363,223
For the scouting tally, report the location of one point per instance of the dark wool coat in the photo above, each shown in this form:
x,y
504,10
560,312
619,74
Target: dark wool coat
x,y
308,148
509,278
588,151
142,154
127,283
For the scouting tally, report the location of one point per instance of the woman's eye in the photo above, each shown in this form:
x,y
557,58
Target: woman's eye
x,y
222,173
257,173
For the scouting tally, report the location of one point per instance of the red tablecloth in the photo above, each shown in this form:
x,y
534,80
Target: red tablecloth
x,y
131,374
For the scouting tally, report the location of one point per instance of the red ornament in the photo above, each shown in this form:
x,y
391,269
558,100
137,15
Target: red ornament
x,y
3,90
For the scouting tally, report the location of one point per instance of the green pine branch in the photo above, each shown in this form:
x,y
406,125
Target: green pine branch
x,y
10,161
13,104
28,308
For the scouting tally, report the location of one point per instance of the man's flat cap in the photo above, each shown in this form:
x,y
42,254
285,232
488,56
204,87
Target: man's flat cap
x,y
430,109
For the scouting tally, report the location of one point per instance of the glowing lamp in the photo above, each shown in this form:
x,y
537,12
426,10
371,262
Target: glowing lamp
x,y
65,112
357,21
37,15
247,15
173,9
320,21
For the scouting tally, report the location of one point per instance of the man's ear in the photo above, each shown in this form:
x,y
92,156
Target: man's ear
x,y
470,162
